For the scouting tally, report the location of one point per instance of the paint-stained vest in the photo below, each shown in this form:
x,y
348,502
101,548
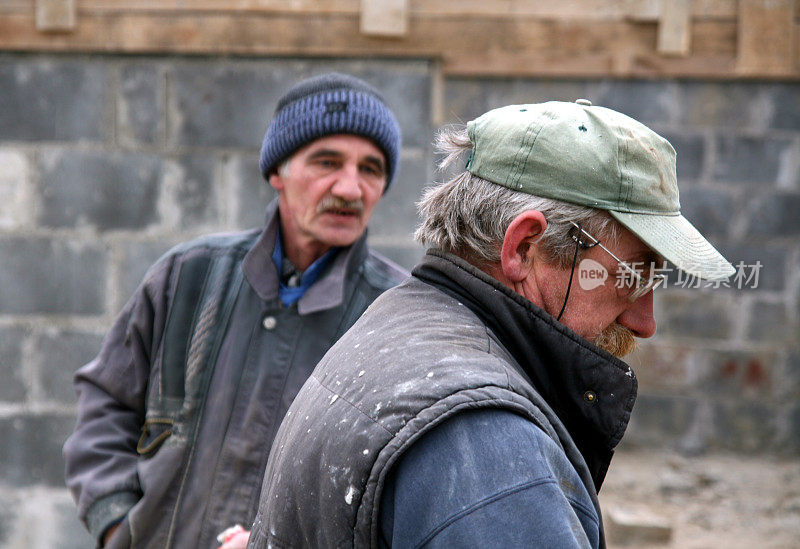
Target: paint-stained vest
x,y
415,358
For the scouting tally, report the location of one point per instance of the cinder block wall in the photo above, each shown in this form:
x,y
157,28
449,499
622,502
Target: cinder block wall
x,y
106,161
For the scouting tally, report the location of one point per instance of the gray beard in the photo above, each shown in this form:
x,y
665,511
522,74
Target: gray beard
x,y
617,340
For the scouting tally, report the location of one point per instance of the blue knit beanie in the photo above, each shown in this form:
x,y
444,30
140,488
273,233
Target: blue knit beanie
x,y
330,104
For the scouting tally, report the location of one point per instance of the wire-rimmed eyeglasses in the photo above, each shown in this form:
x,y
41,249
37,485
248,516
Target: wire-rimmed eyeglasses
x,y
632,280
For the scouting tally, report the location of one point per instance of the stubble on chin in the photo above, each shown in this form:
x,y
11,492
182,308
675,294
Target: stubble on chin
x,y
617,340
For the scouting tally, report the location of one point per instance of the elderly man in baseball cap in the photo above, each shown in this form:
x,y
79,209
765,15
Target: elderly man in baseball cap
x,y
478,403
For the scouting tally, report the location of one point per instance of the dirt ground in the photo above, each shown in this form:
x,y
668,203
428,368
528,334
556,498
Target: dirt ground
x,y
711,501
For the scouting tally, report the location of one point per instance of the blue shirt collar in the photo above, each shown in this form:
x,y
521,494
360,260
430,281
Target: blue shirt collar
x,y
291,294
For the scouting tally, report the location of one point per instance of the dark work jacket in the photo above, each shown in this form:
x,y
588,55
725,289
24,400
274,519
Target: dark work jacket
x,y
207,474
448,340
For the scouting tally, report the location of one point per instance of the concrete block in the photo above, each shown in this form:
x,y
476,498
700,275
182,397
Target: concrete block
x,y
735,374
772,322
465,99
659,420
51,276
468,98
406,87
53,98
56,356
136,258
695,314
395,216
774,215
791,441
741,105
140,105
785,98
225,104
100,190
636,527
238,100
789,389
249,191
189,199
749,159
691,157
745,426
16,208
70,533
8,514
649,102
759,267
42,517
31,449
710,210
538,90
14,387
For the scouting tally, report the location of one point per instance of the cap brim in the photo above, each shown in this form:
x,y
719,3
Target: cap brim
x,y
676,240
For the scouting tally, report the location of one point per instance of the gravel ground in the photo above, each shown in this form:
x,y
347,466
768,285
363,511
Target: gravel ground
x,y
664,500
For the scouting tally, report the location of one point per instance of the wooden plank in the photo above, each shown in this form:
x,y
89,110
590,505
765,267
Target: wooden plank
x,y
55,15
17,6
638,10
674,28
384,17
498,46
715,9
766,37
257,6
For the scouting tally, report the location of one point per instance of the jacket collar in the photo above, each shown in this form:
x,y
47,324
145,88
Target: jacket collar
x,y
329,289
589,390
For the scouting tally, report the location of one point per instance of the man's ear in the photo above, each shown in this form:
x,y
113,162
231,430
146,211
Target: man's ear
x,y
519,244
276,181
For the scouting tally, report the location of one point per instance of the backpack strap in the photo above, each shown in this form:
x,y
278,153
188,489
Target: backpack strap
x,y
181,324
204,296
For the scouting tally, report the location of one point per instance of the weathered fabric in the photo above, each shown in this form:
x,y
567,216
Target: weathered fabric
x,y
479,469
207,475
448,340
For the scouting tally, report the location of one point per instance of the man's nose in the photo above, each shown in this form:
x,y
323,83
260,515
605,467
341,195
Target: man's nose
x,y
347,185
639,318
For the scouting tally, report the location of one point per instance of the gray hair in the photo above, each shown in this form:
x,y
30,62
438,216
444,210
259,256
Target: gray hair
x,y
468,216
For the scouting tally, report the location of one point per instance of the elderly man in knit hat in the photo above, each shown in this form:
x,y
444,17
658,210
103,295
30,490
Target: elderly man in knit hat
x,y
178,411
478,403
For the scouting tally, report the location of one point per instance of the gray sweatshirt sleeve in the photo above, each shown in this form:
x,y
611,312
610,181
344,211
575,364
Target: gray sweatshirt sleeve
x,y
100,455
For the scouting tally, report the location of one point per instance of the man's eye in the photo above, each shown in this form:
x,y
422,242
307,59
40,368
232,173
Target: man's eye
x,y
371,170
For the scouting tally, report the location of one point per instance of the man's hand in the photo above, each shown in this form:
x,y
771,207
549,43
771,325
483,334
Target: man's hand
x,y
235,537
109,533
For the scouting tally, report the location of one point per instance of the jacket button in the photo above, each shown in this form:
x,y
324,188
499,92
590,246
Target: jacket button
x,y
590,397
269,323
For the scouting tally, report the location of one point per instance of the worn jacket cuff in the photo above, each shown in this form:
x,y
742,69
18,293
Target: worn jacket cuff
x,y
108,510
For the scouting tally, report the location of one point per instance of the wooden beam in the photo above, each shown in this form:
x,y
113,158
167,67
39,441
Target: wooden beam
x,y
19,6
636,10
499,46
384,17
766,43
55,15
674,29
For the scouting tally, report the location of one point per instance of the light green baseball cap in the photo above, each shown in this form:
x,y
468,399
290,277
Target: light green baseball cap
x,y
596,157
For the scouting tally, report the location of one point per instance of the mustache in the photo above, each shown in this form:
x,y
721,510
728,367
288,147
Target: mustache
x,y
617,340
330,202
